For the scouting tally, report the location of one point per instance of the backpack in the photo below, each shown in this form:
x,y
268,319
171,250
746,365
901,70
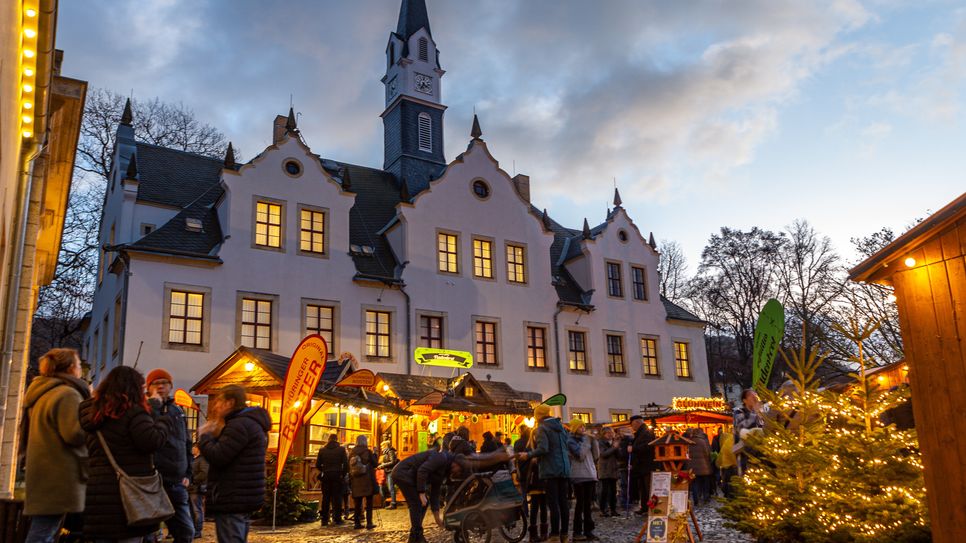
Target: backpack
x,y
357,468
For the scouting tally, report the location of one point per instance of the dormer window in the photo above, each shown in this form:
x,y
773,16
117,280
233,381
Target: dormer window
x,y
193,225
425,127
424,49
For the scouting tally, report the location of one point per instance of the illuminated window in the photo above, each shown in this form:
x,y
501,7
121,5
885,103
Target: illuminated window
x,y
516,264
639,283
615,354
378,333
446,251
615,286
268,224
431,332
186,317
486,343
320,319
312,231
483,258
256,323
536,347
578,350
584,416
649,356
468,392
619,417
682,359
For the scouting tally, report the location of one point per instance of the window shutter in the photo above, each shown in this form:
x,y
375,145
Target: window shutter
x,y
425,132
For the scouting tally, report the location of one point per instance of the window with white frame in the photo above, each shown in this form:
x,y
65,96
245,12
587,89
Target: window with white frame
x,y
615,286
482,258
424,125
682,359
378,333
584,416
577,349
486,343
639,280
649,356
447,253
186,317
256,323
320,319
268,224
431,331
619,416
312,231
536,347
516,268
615,354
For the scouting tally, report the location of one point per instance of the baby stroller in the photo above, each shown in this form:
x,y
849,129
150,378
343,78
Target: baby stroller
x,y
482,503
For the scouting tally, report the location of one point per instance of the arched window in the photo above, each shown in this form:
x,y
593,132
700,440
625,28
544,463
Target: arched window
x,y
424,49
425,125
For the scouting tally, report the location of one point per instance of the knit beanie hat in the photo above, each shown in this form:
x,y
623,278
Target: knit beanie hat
x,y
576,424
541,411
156,374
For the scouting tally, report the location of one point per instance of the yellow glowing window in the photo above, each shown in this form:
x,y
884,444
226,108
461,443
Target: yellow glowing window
x,y
377,333
682,359
486,343
312,231
649,356
319,319
186,317
584,416
268,224
482,258
536,347
256,327
446,253
516,270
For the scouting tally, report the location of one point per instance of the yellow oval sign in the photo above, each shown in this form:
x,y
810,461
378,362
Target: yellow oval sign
x,y
443,358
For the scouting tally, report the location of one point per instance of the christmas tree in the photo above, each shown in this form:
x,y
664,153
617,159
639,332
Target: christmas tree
x,y
826,468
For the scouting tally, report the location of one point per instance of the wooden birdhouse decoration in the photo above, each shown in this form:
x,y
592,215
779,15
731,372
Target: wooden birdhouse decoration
x,y
672,450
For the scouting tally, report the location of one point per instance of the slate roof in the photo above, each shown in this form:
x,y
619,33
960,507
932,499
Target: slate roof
x,y
675,311
413,387
175,178
503,398
412,17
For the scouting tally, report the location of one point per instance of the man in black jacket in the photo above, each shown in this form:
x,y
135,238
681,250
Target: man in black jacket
x,y
173,459
418,475
642,460
234,441
333,465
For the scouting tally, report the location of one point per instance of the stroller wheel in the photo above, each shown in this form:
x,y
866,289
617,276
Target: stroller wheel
x,y
516,529
473,529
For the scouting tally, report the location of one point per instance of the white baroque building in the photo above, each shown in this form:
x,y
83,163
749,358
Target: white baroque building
x,y
202,256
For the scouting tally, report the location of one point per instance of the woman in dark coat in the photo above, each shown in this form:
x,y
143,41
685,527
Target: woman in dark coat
x,y
120,412
362,480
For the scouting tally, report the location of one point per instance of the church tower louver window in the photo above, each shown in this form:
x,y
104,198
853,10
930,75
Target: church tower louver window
x,y
424,49
425,133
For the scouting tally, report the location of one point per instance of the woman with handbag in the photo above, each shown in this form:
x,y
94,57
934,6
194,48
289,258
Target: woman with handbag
x,y
122,438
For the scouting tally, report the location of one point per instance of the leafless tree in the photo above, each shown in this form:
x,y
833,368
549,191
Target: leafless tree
x,y
672,270
62,304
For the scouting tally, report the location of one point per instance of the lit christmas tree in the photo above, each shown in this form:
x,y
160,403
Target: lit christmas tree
x,y
826,468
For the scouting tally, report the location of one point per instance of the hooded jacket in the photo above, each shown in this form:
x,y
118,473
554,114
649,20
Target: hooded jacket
x,y
550,448
56,462
133,439
236,459
583,458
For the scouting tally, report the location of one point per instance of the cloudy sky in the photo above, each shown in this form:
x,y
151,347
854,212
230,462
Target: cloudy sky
x,y
847,113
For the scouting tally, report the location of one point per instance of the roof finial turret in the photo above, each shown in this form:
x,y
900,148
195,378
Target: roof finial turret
x,y
127,117
546,220
230,156
586,229
346,180
132,167
291,124
617,198
476,132
650,241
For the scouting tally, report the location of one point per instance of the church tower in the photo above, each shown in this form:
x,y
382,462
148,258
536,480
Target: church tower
x,y
413,119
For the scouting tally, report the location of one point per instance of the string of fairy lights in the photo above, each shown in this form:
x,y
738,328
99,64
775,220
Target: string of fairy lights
x,y
28,68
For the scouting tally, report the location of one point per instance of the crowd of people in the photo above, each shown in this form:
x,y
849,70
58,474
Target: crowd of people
x,y
78,443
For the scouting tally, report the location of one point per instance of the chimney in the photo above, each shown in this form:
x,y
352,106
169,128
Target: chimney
x,y
522,183
278,129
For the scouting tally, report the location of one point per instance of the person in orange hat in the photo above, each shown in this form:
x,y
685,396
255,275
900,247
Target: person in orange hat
x,y
173,459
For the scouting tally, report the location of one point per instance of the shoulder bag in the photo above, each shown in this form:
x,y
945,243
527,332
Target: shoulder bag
x,y
144,499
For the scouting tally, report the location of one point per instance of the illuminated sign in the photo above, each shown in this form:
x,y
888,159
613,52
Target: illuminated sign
x,y
699,404
183,399
360,379
443,358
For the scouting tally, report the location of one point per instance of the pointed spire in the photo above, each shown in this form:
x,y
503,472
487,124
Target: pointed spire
x,y
127,117
650,241
476,132
412,17
290,124
132,167
346,180
230,156
586,229
404,192
617,198
546,220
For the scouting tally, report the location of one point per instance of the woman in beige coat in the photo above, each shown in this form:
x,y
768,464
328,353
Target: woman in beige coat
x,y
56,460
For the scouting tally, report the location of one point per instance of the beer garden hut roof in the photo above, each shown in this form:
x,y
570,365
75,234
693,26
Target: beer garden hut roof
x,y
489,397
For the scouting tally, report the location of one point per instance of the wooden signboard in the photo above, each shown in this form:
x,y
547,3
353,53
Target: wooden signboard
x,y
668,512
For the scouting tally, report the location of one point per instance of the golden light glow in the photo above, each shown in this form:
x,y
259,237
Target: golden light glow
x,y
891,298
529,422
910,262
249,366
29,32
27,133
30,12
27,105
29,53
28,72
27,119
385,388
297,404
383,419
27,87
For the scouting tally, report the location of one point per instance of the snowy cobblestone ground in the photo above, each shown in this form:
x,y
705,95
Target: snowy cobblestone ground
x,y
393,527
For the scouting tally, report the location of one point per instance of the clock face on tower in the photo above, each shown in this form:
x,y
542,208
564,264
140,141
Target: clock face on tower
x,y
424,83
392,87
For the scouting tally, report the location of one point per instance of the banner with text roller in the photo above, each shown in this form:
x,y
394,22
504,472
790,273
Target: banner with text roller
x,y
302,378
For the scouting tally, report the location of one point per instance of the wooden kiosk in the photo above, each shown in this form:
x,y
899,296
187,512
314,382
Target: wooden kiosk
x,y
670,505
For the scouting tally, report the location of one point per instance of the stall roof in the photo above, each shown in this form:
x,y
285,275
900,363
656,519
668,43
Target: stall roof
x,y
695,417
494,397
356,397
269,372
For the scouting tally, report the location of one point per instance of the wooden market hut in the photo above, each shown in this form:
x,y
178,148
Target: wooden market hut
x,y
927,268
346,411
463,400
